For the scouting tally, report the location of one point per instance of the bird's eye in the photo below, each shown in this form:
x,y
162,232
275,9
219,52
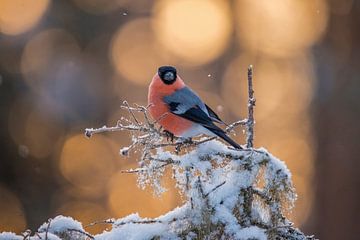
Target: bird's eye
x,y
169,76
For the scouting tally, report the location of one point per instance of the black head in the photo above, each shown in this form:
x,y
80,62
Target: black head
x,y
167,74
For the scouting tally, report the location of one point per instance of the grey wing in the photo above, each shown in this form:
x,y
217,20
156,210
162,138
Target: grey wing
x,y
186,104
184,99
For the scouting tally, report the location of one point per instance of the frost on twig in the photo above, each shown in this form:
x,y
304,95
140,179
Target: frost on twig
x,y
251,103
229,193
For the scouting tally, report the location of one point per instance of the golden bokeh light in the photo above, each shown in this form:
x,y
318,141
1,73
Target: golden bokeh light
x,y
197,32
11,212
42,50
85,212
135,53
87,163
280,28
18,16
126,198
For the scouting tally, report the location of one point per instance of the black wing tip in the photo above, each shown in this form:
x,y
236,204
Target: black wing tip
x,y
220,133
232,142
213,114
237,146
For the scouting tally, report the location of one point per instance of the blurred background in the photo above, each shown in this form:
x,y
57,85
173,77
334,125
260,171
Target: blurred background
x,y
68,65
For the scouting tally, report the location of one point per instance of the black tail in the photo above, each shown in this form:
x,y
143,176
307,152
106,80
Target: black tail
x,y
219,132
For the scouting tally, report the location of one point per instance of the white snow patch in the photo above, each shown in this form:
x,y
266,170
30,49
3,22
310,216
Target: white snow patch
x,y
252,232
61,224
10,236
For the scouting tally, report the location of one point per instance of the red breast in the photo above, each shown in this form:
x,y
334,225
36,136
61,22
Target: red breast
x,y
159,109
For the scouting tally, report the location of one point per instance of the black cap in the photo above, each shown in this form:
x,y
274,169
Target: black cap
x,y
167,74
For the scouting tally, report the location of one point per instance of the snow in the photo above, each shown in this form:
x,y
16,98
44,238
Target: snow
x,y
223,200
251,233
10,236
38,236
133,231
130,227
60,224
212,176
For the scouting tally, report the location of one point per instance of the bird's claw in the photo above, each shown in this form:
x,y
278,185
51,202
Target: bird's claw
x,y
188,141
169,135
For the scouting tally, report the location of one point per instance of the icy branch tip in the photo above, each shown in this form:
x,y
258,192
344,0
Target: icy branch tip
x,y
88,132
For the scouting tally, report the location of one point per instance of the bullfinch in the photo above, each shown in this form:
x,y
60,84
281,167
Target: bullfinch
x,y
179,110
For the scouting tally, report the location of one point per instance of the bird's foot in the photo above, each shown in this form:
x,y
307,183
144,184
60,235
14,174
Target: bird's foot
x,y
169,135
182,141
188,141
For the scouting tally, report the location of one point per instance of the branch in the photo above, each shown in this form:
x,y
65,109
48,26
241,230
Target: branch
x,y
150,221
212,190
130,109
119,127
251,104
107,221
47,229
235,124
136,170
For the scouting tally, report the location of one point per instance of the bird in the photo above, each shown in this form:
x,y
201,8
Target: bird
x,y
179,110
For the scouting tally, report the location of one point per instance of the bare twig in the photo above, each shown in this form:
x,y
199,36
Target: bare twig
x,y
130,109
90,131
107,221
38,235
47,229
235,124
144,111
167,160
183,144
200,187
150,221
251,104
212,190
161,117
26,234
136,170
